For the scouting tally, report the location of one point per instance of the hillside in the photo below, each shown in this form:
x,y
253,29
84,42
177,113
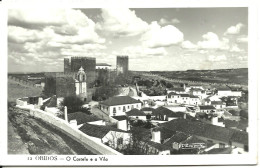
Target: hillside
x,y
17,90
237,76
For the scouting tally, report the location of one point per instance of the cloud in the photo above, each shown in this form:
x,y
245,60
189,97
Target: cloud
x,y
234,29
36,17
59,25
188,45
121,22
214,58
158,36
165,21
142,51
22,35
212,41
235,48
242,39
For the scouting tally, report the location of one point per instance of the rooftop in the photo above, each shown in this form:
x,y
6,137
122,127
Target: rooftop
x,y
172,93
240,137
102,64
82,117
217,103
162,111
135,112
184,95
178,137
119,118
220,151
207,107
160,147
224,89
146,109
206,130
192,96
177,89
98,131
119,100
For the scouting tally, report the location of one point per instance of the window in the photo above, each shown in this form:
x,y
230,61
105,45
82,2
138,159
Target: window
x,y
221,145
119,108
128,107
132,106
114,110
124,109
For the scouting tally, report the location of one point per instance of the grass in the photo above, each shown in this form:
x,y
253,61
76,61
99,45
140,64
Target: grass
x,y
18,90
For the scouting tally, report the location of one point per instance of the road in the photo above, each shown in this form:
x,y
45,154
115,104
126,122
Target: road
x,y
34,136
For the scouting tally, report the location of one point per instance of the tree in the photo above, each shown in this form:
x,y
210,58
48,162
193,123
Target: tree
x,y
73,104
163,82
104,92
148,83
169,85
50,87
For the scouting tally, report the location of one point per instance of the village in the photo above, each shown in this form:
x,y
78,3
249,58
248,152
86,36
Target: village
x,y
133,116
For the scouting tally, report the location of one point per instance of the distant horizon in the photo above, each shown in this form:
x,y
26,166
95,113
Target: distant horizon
x,y
141,71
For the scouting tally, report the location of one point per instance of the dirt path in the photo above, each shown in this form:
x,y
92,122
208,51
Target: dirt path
x,y
39,137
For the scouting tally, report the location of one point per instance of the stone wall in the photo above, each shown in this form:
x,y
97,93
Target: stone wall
x,y
89,142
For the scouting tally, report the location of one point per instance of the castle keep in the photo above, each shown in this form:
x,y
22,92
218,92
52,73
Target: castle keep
x,y
122,65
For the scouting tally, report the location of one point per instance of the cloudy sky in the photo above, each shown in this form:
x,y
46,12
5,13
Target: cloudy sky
x,y
154,39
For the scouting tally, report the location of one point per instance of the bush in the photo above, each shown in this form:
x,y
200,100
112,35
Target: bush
x,y
234,112
73,103
244,113
104,92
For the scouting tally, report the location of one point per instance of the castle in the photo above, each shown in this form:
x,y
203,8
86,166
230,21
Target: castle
x,y
81,73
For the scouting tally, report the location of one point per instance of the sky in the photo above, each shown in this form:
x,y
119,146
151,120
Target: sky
x,y
155,39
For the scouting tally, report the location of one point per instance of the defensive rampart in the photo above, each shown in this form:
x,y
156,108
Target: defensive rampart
x,y
89,142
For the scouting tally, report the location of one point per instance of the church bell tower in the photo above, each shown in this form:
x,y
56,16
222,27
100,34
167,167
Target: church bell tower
x,y
81,84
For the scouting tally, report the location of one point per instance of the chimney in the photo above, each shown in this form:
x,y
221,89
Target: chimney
x,y
40,103
122,125
74,123
214,120
156,136
66,113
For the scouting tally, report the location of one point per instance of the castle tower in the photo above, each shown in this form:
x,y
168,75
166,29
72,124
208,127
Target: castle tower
x,y
122,65
81,84
67,68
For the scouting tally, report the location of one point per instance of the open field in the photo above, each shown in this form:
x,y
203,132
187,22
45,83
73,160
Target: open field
x,y
238,76
221,76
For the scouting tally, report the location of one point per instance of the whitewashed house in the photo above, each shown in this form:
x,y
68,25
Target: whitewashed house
x,y
119,105
174,98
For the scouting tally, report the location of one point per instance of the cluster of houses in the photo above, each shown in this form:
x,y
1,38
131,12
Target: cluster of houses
x,y
172,132
189,121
